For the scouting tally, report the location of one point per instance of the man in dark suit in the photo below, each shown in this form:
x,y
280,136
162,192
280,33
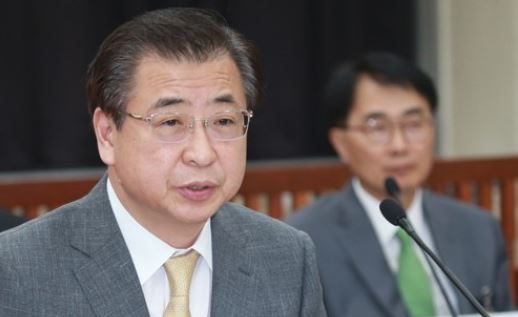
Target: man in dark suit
x,y
171,93
8,220
381,123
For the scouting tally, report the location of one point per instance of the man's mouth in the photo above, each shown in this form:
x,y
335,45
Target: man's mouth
x,y
197,191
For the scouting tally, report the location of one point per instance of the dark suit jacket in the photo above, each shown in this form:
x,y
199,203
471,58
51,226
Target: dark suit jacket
x,y
8,220
355,275
74,262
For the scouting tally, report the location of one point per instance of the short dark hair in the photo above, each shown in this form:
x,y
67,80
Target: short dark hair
x,y
180,34
385,69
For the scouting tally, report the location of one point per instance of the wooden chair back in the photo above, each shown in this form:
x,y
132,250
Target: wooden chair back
x,y
279,188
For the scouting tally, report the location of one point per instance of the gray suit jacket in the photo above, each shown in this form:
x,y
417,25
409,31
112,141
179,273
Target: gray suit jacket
x,y
355,275
74,262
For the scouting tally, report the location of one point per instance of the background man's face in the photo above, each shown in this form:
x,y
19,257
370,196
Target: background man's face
x,y
406,160
174,184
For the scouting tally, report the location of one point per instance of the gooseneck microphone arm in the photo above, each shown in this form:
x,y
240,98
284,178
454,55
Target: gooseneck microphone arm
x,y
393,190
395,214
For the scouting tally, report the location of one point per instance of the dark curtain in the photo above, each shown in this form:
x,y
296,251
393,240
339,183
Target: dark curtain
x,y
47,45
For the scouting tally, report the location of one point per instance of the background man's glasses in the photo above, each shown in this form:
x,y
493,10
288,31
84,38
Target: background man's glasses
x,y
380,130
172,127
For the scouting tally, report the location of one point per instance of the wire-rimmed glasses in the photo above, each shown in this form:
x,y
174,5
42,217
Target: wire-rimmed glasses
x,y
380,130
175,127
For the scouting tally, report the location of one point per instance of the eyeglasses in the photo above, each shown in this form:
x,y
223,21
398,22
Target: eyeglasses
x,y
171,127
380,130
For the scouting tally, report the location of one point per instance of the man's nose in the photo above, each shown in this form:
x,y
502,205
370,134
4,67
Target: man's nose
x,y
199,150
398,141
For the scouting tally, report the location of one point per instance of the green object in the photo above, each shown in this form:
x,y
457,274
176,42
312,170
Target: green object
x,y
413,280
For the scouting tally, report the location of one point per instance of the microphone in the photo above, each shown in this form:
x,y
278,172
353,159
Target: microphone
x,y
395,214
393,190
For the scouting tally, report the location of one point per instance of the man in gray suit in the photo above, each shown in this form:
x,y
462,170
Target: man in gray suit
x,y
171,93
381,123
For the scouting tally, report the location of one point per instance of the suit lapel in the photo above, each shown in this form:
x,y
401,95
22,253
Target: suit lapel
x,y
232,280
104,270
360,241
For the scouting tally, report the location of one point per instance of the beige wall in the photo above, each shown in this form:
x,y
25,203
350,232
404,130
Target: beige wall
x,y
475,47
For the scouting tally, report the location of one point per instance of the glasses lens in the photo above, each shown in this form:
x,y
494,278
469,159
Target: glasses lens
x,y
228,125
378,130
415,129
171,127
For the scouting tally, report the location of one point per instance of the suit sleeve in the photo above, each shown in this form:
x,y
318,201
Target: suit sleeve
x,y
312,297
501,299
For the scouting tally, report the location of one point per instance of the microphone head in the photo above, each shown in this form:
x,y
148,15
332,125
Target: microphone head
x,y
392,211
392,187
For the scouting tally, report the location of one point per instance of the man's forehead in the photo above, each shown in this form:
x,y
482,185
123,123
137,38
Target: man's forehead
x,y
178,103
373,95
163,84
157,70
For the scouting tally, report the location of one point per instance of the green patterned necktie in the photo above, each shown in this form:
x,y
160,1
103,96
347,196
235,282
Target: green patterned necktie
x,y
413,280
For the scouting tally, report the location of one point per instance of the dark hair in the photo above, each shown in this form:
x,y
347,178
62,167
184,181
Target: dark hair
x,y
180,34
385,69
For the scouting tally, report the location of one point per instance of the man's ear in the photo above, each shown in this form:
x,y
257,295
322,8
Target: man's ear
x,y
106,133
337,139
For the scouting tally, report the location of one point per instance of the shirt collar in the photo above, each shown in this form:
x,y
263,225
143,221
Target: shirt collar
x,y
147,251
385,230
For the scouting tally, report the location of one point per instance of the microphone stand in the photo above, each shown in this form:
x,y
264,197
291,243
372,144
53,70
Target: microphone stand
x,y
441,286
407,226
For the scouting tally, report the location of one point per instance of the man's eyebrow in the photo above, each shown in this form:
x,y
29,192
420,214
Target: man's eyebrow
x,y
413,111
226,98
164,102
375,115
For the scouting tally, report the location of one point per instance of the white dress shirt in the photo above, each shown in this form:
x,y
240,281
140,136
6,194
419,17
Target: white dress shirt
x,y
386,233
149,253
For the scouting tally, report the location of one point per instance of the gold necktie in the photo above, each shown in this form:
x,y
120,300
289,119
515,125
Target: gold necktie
x,y
179,271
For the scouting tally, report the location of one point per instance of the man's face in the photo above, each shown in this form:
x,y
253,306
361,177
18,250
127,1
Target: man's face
x,y
175,185
407,152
